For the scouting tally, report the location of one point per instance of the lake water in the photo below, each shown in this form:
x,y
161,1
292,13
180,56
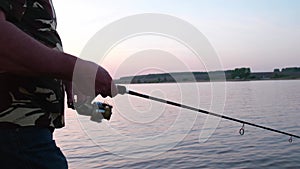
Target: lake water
x,y
144,134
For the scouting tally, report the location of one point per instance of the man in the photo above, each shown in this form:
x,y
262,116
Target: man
x,y
32,71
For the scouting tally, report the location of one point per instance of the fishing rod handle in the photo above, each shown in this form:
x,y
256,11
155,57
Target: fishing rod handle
x,y
122,90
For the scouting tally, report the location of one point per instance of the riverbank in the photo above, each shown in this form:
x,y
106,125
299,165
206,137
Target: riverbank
x,y
229,75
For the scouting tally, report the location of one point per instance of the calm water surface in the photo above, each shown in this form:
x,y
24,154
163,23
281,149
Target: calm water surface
x,y
274,104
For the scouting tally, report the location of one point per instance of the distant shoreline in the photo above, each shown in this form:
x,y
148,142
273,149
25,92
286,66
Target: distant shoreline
x,y
117,82
237,75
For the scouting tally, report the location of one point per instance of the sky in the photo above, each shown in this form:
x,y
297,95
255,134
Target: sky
x,y
261,34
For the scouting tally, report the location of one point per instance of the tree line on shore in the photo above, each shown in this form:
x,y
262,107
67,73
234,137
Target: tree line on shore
x,y
238,74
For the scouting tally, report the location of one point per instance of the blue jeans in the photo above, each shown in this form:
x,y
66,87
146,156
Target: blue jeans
x,y
30,148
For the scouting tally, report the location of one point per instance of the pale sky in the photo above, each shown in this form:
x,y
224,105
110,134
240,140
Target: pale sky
x,y
261,34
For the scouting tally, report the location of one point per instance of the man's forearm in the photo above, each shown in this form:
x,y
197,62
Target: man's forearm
x,y
21,54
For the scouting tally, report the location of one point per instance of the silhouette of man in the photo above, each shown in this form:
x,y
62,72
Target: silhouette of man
x,y
34,75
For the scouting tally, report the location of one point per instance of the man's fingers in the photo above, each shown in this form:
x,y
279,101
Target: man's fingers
x,y
110,91
90,72
114,89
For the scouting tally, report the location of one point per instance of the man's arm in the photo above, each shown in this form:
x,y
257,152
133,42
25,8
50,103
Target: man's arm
x,y
2,15
23,55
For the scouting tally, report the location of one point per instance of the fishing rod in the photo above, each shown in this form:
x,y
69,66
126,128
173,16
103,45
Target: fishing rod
x,y
123,90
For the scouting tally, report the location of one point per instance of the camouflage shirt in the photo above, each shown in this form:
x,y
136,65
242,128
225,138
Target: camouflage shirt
x,y
32,101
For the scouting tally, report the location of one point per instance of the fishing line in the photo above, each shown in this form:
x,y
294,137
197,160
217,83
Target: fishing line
x,y
122,90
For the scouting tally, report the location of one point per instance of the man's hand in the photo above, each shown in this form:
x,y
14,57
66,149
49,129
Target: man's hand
x,y
73,91
2,15
104,84
89,81
92,80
